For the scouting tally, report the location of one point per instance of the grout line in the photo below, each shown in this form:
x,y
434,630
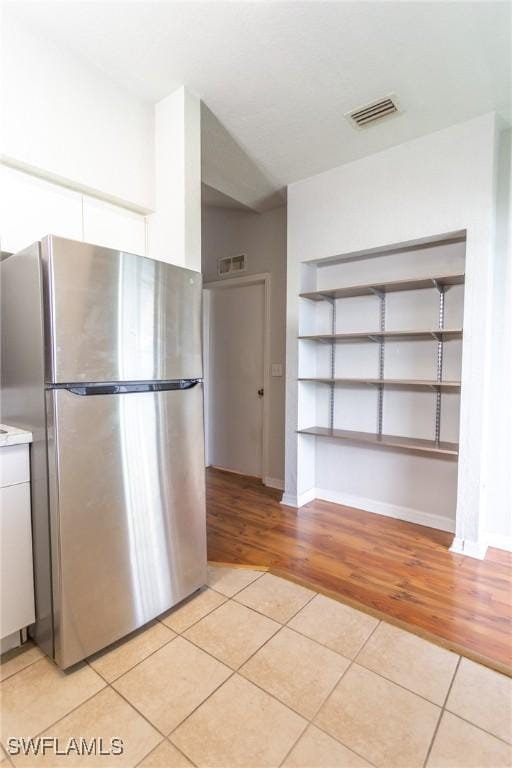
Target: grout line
x,y
394,682
230,597
266,616
165,740
181,632
130,703
434,734
299,737
173,730
23,668
352,662
55,722
311,719
149,753
225,663
115,679
479,727
181,752
133,706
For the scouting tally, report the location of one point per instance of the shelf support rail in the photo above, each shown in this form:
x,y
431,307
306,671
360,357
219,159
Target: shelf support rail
x,y
382,327
440,349
332,302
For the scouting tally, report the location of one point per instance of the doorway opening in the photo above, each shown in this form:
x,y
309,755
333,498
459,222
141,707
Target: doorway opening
x,y
236,370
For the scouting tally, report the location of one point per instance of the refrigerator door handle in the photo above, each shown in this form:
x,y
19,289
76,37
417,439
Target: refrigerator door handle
x,y
121,389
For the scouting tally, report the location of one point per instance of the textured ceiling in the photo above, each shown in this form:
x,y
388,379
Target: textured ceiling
x,y
279,76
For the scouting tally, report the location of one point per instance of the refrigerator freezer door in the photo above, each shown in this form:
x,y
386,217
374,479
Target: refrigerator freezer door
x,y
127,511
114,316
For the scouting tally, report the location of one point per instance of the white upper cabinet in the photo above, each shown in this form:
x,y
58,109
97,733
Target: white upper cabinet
x,y
31,208
113,227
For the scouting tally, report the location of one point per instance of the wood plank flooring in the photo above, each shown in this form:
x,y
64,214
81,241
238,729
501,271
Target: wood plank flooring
x,y
398,570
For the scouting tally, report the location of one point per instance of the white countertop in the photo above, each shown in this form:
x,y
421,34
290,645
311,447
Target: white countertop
x,y
13,435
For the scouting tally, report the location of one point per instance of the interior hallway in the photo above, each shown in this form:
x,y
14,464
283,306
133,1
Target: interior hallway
x,y
397,570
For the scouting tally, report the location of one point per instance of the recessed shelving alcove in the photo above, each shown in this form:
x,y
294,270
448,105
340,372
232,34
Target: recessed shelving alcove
x,y
380,351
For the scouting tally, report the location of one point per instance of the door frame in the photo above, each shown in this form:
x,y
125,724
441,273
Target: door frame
x,y
265,279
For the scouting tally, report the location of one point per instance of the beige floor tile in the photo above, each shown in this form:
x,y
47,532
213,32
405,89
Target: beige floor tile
x,y
3,756
232,633
166,756
125,654
229,581
41,694
240,726
168,685
408,660
338,626
384,723
278,598
187,613
296,670
19,658
315,749
105,716
461,745
484,697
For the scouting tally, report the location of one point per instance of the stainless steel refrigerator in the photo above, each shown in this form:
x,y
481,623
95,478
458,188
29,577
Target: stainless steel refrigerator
x,y
101,359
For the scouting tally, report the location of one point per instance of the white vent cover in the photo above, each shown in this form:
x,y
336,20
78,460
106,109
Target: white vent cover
x,y
370,113
231,264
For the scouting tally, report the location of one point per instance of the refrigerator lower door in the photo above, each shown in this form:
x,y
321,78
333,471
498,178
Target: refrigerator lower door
x,y
127,511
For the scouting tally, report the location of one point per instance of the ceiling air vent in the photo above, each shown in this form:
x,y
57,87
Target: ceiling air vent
x,y
370,113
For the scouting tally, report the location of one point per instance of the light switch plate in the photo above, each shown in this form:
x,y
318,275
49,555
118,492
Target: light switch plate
x,y
277,369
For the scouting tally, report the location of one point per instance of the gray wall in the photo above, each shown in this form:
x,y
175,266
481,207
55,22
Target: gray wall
x,y
262,237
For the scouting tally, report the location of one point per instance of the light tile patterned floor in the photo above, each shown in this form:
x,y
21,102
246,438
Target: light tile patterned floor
x,y
258,672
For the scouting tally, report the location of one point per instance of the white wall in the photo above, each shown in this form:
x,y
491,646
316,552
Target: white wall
x,y
439,183
263,238
174,230
66,119
499,456
81,140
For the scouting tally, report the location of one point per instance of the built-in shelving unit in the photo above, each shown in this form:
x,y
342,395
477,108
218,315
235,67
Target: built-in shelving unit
x,y
440,334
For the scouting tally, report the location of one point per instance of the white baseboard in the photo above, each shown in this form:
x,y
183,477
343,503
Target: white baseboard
x,y
499,541
273,482
457,546
292,500
377,507
474,549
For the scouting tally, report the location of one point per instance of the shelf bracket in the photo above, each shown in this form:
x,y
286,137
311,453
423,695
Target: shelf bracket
x,y
381,295
439,362
332,302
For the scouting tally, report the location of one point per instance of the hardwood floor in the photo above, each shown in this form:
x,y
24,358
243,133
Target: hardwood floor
x,y
401,571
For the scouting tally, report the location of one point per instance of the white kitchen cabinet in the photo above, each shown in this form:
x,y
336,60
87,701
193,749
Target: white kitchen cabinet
x,y
16,571
113,227
31,208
